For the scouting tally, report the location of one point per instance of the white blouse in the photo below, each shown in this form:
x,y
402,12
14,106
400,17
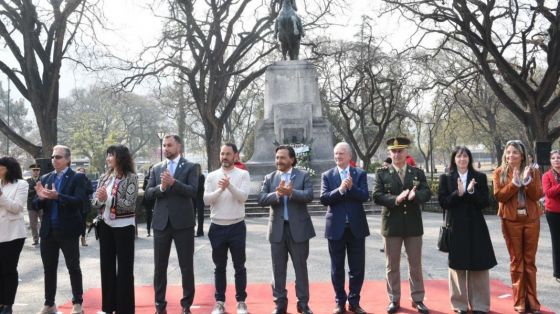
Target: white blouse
x,y
12,201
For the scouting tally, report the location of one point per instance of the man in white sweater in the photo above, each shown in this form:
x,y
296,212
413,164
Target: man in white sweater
x,y
226,191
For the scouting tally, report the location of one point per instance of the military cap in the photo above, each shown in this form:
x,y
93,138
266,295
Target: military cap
x,y
34,166
398,143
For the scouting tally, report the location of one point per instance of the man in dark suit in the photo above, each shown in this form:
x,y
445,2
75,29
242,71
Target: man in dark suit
x,y
61,194
402,189
173,184
287,191
344,190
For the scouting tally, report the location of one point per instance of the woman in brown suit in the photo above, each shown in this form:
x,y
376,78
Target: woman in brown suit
x,y
517,188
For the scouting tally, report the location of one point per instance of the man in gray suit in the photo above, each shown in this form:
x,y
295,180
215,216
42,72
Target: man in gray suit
x,y
173,185
287,191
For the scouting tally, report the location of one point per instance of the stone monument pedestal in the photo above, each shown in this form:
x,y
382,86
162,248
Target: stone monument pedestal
x,y
292,115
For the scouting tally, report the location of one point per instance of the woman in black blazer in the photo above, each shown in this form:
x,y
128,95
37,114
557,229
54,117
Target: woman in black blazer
x,y
463,193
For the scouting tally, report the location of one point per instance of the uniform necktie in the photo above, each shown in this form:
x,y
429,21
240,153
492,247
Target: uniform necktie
x,y
401,175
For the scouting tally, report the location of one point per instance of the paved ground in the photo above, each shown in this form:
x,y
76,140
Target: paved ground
x,y
30,293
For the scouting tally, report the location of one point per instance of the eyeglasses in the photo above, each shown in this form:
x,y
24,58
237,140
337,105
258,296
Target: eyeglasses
x,y
36,169
56,157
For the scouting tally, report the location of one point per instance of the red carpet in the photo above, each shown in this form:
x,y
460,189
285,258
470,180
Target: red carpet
x,y
259,300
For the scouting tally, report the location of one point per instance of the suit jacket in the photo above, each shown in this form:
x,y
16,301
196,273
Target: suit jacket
x,y
71,198
405,219
175,205
301,226
470,244
349,204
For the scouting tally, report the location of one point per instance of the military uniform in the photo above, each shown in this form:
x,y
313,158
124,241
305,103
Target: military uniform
x,y
402,224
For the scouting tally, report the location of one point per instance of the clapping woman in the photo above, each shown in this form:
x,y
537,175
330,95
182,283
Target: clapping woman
x,y
517,188
463,193
551,188
115,200
13,196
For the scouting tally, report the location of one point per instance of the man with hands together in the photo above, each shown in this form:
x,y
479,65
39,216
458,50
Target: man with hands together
x,y
401,190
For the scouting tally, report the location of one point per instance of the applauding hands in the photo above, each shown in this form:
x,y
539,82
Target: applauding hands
x,y
45,193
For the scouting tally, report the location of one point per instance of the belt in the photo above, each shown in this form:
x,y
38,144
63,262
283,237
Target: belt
x,y
522,211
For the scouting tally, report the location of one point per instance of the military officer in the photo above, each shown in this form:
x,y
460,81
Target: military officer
x,y
401,189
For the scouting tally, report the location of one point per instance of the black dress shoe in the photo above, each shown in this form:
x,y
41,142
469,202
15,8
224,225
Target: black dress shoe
x,y
476,312
464,312
393,307
304,309
164,311
199,235
536,312
280,310
339,309
420,307
356,309
186,311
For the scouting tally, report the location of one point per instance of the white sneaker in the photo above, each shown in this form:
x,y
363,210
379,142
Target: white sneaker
x,y
48,310
219,308
241,307
77,309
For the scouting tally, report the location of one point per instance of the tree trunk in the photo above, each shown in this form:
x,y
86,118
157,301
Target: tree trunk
x,y
213,144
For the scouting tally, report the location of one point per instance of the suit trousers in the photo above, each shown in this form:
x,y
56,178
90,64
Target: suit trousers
x,y
298,252
553,220
467,287
199,211
51,245
116,250
34,222
522,240
184,244
413,248
230,238
356,249
11,251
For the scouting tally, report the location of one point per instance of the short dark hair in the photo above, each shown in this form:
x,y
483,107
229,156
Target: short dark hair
x,y
13,169
176,137
122,157
291,152
460,150
233,146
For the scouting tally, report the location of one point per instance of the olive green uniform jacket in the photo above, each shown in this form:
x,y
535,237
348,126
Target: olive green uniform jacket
x,y
405,219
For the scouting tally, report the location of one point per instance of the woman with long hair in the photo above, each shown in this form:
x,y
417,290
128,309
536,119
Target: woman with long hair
x,y
463,194
517,188
551,188
115,200
13,197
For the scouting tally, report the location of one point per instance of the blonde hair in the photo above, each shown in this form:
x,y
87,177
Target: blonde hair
x,y
505,167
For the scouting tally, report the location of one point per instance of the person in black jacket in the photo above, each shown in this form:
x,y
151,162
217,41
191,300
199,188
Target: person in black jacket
x,y
148,204
463,194
87,204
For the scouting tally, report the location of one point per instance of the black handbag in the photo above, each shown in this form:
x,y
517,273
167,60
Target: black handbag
x,y
444,234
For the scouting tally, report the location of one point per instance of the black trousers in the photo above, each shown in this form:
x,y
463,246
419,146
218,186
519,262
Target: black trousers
x,y
184,244
149,214
116,248
199,218
230,238
356,250
8,270
50,247
554,226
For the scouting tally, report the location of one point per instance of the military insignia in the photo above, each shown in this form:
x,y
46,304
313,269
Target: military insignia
x,y
395,142
415,182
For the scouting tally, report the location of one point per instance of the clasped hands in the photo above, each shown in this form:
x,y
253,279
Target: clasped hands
x,y
461,187
345,185
407,194
45,193
284,189
167,179
526,174
224,182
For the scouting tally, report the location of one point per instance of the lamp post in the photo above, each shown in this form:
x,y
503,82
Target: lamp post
x,y
160,135
430,128
8,109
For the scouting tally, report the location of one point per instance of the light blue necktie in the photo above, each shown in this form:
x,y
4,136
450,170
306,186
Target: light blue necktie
x,y
171,167
344,174
286,177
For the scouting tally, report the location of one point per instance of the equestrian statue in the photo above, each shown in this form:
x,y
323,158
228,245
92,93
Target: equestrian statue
x,y
289,29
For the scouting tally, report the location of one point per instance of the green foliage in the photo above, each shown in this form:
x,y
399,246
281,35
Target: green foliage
x,y
372,168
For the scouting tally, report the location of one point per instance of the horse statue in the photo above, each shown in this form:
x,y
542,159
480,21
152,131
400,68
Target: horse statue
x,y
288,29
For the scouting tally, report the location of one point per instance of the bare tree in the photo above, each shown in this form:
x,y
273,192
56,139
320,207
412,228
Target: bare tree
x,y
38,35
516,45
220,40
